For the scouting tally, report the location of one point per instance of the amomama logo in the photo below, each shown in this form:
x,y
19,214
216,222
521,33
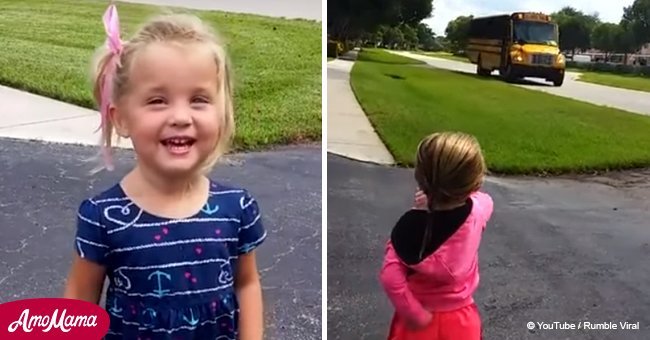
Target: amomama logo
x,y
52,319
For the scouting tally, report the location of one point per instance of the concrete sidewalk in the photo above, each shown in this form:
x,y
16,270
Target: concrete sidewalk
x,y
32,117
290,9
349,132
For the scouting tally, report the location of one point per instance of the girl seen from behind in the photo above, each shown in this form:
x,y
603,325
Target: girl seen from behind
x,y
177,247
430,269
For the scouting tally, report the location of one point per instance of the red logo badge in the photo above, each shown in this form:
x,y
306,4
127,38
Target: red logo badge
x,y
51,318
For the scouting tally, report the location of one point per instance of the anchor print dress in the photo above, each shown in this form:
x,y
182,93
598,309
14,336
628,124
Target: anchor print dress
x,y
170,278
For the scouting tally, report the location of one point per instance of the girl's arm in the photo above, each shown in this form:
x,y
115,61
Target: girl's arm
x,y
393,279
249,293
85,280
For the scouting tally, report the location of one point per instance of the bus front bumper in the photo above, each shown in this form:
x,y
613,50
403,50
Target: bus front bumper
x,y
546,72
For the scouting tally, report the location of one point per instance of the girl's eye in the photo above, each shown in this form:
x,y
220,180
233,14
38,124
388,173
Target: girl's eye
x,y
200,100
156,101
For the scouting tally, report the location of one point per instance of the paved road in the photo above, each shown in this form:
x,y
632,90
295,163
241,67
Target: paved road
x,y
42,184
304,9
633,101
559,250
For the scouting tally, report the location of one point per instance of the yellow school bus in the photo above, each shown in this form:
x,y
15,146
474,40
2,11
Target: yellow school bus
x,y
517,45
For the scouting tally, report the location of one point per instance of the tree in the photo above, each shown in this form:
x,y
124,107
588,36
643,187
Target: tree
x,y
457,32
440,44
604,37
636,19
627,40
378,37
349,19
414,11
569,12
410,37
575,28
575,34
393,38
613,38
426,37
566,13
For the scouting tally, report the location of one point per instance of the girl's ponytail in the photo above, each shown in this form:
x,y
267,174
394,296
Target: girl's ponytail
x,y
428,230
101,77
105,66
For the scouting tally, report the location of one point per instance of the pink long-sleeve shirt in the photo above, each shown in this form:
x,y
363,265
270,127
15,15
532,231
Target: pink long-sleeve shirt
x,y
446,279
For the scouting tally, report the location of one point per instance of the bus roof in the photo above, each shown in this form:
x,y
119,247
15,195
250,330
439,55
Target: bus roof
x,y
533,16
536,16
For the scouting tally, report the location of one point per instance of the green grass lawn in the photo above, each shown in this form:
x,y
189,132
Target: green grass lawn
x,y
444,55
381,56
47,46
629,82
521,131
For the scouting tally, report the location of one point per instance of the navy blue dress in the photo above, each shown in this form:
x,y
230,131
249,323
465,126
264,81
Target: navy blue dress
x,y
170,278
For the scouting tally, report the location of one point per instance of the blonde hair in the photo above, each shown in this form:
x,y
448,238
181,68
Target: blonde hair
x,y
176,29
449,167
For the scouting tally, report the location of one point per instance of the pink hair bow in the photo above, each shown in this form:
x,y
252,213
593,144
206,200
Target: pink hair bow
x,y
114,44
112,27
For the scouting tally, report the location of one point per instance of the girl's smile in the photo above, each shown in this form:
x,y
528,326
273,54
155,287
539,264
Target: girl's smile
x,y
178,145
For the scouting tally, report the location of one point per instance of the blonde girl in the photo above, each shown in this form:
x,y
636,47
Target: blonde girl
x,y
176,247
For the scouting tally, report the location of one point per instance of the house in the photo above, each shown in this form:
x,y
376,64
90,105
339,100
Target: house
x,y
641,57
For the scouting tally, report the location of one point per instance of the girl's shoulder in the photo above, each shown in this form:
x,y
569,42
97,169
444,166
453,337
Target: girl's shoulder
x,y
238,201
107,196
483,205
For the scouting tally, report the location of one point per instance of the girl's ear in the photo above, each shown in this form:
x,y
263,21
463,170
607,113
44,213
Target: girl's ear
x,y
119,121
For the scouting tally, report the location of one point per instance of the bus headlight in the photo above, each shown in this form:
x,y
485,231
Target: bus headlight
x,y
561,59
517,55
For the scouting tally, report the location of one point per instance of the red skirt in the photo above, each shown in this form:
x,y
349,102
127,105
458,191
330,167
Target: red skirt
x,y
463,323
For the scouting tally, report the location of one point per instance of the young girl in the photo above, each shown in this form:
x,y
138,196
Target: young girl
x,y
430,269
176,247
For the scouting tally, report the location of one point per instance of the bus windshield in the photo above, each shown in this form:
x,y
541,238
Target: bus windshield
x,y
532,32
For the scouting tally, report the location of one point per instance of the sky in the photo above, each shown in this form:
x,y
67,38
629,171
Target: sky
x,y
447,10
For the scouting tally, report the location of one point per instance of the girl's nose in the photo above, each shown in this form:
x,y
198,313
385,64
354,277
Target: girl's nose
x,y
181,116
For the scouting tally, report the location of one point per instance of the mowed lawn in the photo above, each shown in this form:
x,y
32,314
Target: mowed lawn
x,y
629,82
46,47
380,56
445,55
521,131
